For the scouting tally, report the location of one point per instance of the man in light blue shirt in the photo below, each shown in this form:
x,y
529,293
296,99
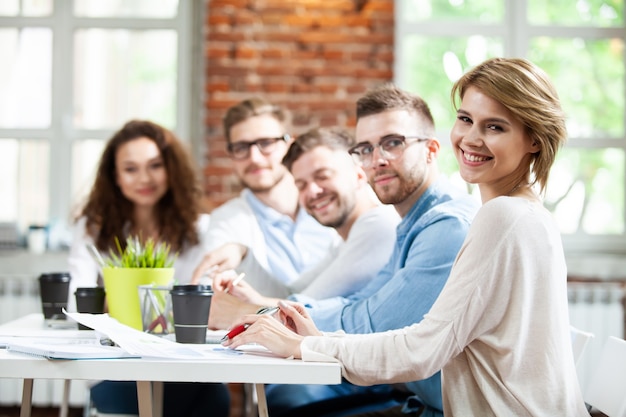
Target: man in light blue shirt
x,y
398,151
263,232
292,245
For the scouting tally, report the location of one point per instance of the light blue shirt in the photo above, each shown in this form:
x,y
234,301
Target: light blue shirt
x,y
292,246
428,240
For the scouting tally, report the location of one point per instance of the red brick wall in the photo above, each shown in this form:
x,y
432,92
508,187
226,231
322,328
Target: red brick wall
x,y
315,57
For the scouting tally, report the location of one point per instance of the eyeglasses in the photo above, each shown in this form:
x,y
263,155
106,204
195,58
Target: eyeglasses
x,y
241,150
391,147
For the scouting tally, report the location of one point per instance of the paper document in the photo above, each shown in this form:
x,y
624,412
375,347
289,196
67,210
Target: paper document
x,y
143,344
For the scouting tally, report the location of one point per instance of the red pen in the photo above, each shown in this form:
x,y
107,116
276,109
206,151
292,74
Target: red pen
x,y
239,329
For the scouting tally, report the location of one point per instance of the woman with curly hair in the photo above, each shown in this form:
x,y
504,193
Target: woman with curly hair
x,y
146,186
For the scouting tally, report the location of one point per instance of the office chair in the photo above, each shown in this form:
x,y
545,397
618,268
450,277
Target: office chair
x,y
607,390
580,339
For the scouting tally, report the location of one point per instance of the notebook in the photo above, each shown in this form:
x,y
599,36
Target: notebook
x,y
75,349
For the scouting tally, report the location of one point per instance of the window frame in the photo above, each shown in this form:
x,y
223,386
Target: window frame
x,y
61,134
516,33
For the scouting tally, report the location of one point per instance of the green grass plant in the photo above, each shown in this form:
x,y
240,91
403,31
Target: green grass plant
x,y
141,255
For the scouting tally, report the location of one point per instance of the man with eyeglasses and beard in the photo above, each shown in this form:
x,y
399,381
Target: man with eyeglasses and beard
x,y
280,238
397,148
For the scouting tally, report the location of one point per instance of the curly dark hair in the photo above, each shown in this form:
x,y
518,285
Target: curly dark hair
x,y
107,211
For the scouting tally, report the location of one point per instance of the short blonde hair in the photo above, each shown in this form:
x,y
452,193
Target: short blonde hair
x,y
527,92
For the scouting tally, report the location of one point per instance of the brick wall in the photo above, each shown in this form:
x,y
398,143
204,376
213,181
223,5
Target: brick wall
x,y
315,57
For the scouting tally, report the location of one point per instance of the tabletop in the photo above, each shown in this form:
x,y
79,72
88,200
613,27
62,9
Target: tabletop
x,y
257,367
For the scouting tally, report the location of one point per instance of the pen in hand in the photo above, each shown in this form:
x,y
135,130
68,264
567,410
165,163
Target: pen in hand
x,y
239,329
236,281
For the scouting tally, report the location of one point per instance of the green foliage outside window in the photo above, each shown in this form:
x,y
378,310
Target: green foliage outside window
x,y
442,39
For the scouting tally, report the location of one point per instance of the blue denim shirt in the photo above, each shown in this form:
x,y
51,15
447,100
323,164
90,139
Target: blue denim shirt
x,y
427,242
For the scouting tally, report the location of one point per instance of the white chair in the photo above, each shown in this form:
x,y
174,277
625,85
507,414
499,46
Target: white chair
x,y
607,390
580,339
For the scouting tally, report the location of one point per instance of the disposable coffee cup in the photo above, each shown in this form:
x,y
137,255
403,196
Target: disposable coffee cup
x,y
191,305
89,300
54,289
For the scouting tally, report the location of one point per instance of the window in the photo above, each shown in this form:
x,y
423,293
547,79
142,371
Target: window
x,y
581,46
74,72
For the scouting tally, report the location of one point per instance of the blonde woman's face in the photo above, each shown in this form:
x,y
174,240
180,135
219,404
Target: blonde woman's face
x,y
490,144
140,172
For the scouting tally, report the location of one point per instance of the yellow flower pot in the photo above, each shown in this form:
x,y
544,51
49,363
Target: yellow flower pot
x,y
122,295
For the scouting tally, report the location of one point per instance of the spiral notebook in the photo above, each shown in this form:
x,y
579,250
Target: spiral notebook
x,y
74,349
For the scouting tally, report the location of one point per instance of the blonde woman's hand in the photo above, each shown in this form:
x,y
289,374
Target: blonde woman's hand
x,y
282,339
267,331
296,318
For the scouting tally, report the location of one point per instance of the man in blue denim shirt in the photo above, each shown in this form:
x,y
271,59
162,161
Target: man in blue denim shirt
x,y
397,148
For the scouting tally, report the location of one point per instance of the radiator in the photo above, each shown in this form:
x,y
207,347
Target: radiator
x,y
598,308
19,296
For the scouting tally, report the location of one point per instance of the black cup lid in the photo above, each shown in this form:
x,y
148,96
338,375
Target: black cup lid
x,y
191,289
55,276
88,290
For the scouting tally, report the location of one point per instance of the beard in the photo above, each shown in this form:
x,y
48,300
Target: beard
x,y
335,222
264,186
402,189
344,209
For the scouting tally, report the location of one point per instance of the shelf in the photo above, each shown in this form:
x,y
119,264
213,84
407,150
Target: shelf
x,y
22,262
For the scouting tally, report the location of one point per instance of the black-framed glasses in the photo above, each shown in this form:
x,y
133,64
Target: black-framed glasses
x,y
390,146
241,150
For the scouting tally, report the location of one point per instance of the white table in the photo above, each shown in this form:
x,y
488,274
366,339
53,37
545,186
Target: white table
x,y
258,369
